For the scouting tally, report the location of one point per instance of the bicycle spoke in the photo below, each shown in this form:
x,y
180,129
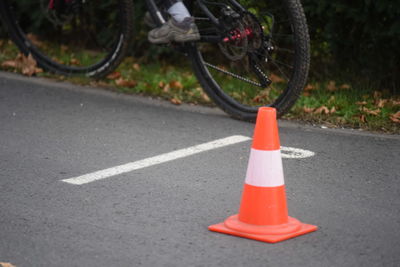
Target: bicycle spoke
x,y
75,37
259,48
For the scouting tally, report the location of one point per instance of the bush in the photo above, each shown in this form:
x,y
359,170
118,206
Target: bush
x,y
361,37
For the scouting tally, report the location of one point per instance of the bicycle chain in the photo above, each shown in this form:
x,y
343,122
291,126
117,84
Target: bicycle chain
x,y
238,76
266,80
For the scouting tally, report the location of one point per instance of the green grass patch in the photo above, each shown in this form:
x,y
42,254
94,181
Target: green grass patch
x,y
333,103
341,105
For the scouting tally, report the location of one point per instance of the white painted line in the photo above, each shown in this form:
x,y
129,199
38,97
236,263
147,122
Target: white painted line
x,y
102,174
295,153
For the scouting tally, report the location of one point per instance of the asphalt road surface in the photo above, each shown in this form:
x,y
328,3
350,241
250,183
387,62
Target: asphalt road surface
x,y
158,215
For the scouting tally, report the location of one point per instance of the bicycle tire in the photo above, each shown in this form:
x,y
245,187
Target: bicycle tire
x,y
98,65
295,83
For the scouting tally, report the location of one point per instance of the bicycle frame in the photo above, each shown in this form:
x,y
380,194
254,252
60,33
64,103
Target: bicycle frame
x,y
158,17
237,42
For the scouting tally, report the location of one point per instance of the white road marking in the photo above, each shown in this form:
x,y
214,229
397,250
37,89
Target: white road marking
x,y
286,152
295,153
106,173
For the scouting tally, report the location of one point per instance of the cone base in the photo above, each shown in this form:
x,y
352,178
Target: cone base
x,y
270,234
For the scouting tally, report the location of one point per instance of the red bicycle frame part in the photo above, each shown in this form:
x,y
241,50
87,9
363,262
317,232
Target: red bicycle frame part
x,y
236,35
52,3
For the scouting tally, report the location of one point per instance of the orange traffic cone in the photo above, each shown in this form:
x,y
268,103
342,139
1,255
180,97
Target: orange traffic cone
x,y
263,212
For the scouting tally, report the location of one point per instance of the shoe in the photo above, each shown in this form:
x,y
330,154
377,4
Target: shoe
x,y
148,20
185,31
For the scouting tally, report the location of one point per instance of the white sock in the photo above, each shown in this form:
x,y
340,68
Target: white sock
x,y
178,11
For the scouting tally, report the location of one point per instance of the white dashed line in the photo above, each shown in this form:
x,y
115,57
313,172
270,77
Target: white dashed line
x,y
286,152
106,173
295,153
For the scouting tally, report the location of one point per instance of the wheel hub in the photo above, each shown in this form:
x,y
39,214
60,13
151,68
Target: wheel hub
x,y
245,37
60,12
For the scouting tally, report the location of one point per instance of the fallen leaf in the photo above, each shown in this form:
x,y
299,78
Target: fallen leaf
x,y
258,99
28,65
75,61
6,264
222,67
275,78
125,83
322,110
331,86
9,64
59,61
205,97
395,117
136,67
176,85
161,84
305,93
166,88
331,99
114,75
395,103
333,110
308,110
361,103
363,118
175,101
380,103
345,86
370,111
309,87
38,70
202,94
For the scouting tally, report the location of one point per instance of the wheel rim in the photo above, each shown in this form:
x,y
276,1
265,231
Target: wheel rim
x,y
80,39
236,80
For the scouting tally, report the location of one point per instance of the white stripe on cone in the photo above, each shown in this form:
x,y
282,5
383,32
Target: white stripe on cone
x,y
265,168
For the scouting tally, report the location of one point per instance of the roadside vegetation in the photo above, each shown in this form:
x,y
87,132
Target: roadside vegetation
x,y
354,77
332,102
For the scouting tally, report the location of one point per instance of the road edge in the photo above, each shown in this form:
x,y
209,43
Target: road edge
x,y
185,107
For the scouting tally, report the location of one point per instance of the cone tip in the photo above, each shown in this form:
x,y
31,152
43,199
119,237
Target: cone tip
x,y
267,111
266,135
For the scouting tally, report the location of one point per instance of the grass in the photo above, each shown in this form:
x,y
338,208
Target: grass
x,y
345,106
332,102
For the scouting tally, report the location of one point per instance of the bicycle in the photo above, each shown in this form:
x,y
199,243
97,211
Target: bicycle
x,y
251,53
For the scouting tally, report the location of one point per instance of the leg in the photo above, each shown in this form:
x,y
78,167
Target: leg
x,y
179,28
178,11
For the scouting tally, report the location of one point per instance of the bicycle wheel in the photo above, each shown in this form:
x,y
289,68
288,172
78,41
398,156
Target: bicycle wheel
x,y
258,56
71,37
